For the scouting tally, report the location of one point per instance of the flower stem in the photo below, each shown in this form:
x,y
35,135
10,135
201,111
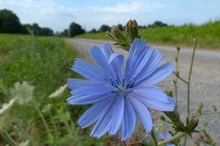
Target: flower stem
x,y
176,80
180,78
204,113
153,135
175,137
43,119
189,78
177,71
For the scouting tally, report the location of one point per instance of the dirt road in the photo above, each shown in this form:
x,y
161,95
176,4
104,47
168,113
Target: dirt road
x,y
205,87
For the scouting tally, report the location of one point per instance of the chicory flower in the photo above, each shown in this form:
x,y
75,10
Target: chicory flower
x,y
120,95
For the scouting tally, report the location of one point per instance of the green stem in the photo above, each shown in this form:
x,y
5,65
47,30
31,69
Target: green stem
x,y
69,126
23,132
204,113
9,138
189,78
177,70
176,80
54,125
180,78
153,135
175,137
43,119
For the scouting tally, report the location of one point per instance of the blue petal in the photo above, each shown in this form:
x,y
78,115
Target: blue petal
x,y
103,124
161,136
117,115
137,52
106,50
89,71
87,99
151,92
117,63
151,65
158,75
92,90
129,121
142,113
158,105
142,64
94,113
168,135
74,83
101,60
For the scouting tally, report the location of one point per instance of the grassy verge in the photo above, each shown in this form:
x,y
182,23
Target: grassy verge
x,y
44,63
208,35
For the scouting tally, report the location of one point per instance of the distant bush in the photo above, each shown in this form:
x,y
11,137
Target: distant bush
x,y
75,29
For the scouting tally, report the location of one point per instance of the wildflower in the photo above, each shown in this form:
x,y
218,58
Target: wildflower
x,y
166,136
22,92
6,106
58,92
47,108
24,143
120,95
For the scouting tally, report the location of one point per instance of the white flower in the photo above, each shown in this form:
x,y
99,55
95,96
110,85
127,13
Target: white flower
x,y
46,108
58,92
25,143
6,106
23,92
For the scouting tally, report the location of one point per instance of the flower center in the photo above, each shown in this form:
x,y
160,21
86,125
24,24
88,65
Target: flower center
x,y
122,87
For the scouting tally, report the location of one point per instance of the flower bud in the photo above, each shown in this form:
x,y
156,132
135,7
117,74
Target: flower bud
x,y
192,125
117,36
132,30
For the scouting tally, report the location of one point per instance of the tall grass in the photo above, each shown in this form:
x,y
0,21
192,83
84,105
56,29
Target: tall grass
x,y
44,63
208,35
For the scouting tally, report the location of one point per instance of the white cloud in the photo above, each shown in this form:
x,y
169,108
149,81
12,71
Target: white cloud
x,y
46,13
141,10
133,7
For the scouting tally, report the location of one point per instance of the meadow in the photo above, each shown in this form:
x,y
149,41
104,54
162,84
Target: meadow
x,y
32,68
208,35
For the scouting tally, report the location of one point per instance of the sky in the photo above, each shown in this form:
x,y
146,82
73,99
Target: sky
x,y
58,14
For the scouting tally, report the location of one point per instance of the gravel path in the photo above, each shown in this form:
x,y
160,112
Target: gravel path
x,y
205,81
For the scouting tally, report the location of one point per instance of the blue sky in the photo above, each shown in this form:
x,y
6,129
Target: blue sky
x,y
58,14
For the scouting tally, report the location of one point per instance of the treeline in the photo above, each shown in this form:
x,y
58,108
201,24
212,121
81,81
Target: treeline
x,y
10,23
104,27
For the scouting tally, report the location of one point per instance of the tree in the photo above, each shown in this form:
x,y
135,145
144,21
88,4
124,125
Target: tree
x,y
93,30
9,22
37,30
104,28
45,31
158,24
120,27
65,32
75,29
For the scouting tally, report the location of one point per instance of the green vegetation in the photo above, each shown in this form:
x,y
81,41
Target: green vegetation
x,y
31,69
208,35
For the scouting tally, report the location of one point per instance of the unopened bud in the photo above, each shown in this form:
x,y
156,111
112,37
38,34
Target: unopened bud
x,y
192,125
132,24
132,29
